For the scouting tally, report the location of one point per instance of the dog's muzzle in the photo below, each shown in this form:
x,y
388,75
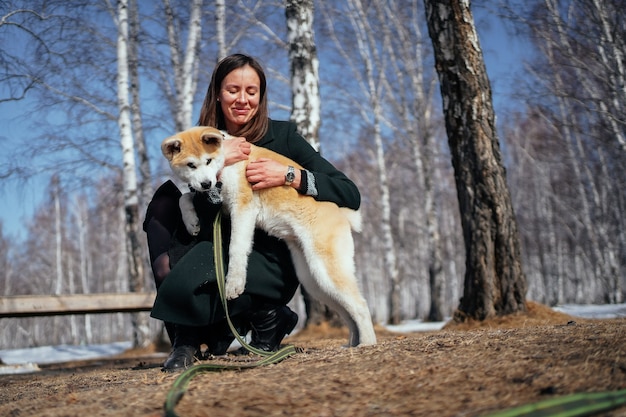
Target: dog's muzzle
x,y
206,186
213,194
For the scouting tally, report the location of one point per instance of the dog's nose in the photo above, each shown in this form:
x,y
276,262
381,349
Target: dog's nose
x,y
205,185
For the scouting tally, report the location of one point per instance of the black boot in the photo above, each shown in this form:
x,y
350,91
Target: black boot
x,y
220,337
270,325
186,349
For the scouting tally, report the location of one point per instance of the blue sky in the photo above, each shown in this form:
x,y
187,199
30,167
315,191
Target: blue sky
x,y
503,55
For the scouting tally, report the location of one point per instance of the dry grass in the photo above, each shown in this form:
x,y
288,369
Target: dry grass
x,y
462,370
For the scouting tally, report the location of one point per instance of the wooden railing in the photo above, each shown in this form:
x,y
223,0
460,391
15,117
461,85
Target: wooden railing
x,y
54,305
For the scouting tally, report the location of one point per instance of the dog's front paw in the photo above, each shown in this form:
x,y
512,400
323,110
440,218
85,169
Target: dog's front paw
x,y
234,287
188,213
192,224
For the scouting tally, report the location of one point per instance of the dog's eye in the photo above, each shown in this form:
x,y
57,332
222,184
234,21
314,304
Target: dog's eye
x,y
208,161
191,165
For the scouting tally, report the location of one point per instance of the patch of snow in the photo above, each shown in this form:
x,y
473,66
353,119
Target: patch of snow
x,y
411,326
61,353
589,311
20,368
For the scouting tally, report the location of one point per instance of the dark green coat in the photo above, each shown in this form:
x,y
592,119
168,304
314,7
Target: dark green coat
x,y
189,295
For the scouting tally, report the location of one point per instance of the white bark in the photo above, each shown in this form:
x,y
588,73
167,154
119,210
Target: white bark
x,y
144,182
58,234
131,201
82,227
306,102
184,62
220,29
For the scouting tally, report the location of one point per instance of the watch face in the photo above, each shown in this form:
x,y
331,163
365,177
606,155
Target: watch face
x,y
291,175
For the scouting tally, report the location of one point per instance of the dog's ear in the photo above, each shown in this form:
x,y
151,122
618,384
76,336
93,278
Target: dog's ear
x,y
170,147
211,137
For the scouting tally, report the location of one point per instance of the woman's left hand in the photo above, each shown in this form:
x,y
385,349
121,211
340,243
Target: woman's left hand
x,y
266,173
235,150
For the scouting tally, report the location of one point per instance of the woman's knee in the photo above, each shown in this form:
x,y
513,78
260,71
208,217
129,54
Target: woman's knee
x,y
161,268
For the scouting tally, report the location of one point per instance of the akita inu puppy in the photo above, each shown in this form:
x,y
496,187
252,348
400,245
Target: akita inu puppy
x,y
318,233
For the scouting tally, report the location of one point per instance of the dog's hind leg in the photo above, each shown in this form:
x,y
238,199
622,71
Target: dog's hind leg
x,y
340,291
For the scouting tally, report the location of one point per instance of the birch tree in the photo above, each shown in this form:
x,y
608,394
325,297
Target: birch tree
x,y
494,281
304,65
58,234
134,249
305,106
84,261
143,159
220,29
184,60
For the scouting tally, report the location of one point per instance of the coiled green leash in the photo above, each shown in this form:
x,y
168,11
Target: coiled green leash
x,y
181,383
573,405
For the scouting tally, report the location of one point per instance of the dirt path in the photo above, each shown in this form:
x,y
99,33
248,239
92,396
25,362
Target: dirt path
x,y
459,371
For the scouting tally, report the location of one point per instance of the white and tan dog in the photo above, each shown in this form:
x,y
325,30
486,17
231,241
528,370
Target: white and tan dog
x,y
317,233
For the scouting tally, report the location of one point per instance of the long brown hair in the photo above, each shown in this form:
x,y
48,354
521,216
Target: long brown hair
x,y
211,112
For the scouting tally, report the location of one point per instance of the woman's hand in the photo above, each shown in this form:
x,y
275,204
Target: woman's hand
x,y
235,150
266,173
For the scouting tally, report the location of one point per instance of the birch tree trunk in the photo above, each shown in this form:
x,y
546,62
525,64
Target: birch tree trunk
x,y
220,29
494,281
185,63
305,95
305,109
82,227
58,234
145,184
134,249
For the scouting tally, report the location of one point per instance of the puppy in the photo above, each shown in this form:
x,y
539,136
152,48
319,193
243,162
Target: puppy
x,y
318,233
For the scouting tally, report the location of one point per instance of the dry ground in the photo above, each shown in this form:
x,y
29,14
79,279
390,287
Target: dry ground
x,y
467,370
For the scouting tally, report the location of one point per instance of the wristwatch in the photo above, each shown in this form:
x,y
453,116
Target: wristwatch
x,y
290,176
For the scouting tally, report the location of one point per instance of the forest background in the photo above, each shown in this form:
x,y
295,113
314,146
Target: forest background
x,y
562,131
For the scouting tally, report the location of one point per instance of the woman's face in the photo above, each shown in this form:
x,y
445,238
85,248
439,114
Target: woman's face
x,y
239,97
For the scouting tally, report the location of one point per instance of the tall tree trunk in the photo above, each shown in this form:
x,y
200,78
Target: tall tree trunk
x,y
58,234
184,62
145,184
220,29
305,109
82,226
305,95
494,281
131,201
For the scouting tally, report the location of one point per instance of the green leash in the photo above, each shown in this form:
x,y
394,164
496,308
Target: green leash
x,y
574,405
181,383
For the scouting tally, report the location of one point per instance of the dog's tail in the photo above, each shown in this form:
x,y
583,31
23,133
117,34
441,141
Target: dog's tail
x,y
354,217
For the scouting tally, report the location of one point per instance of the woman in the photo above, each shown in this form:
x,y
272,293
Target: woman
x,y
236,102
